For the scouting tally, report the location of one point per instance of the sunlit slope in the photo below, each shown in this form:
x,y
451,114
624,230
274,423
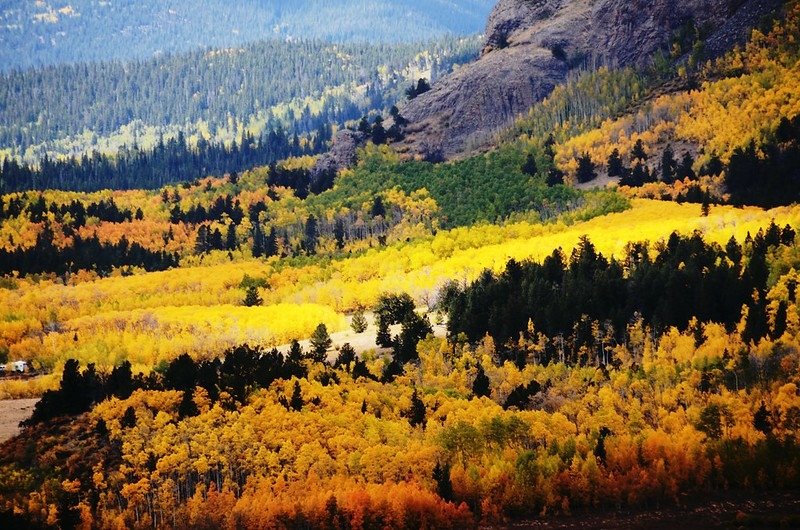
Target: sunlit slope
x,y
154,317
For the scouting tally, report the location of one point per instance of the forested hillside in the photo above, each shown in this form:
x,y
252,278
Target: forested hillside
x,y
605,403
216,94
594,321
67,31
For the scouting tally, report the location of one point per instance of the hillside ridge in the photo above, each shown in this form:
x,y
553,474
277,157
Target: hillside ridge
x,y
531,47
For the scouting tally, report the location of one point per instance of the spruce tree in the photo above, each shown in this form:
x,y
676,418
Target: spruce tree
x,y
685,168
231,240
529,167
554,176
252,297
295,355
444,486
347,355
311,235
383,337
416,413
586,169
668,165
615,167
378,134
638,153
481,385
363,126
188,408
378,209
359,322
320,342
296,402
271,244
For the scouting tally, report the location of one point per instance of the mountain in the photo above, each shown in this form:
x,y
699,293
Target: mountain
x,y
533,47
50,32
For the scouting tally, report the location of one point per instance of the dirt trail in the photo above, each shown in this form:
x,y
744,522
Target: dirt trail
x,y
13,411
361,342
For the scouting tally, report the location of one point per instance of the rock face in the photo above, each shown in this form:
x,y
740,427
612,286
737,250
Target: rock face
x,y
342,153
530,45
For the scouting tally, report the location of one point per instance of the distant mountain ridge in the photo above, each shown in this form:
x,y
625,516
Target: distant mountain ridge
x,y
49,32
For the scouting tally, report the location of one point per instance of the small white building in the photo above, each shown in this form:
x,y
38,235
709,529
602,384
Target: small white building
x,y
19,366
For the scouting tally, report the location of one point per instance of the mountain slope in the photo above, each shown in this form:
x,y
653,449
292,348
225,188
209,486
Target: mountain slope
x,y
531,48
59,31
70,109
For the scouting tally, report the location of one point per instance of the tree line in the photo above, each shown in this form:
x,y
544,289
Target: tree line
x,y
81,254
169,161
584,304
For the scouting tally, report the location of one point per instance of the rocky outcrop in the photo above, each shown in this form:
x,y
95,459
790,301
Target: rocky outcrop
x,y
342,154
530,48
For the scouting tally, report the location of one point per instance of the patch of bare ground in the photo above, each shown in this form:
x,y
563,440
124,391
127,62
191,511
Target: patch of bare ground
x,y
12,412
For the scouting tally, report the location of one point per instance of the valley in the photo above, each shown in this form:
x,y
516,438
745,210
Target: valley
x,y
543,278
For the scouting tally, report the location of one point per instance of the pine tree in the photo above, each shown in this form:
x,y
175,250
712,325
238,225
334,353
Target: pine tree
x,y
555,176
258,241
363,126
713,167
444,486
231,240
586,169
549,146
311,236
201,245
188,408
529,167
378,209
383,337
779,327
638,153
398,118
378,133
416,413
296,402
481,386
359,322
320,342
685,168
668,165
128,419
615,167
252,297
271,244
347,355
295,352
338,233
761,420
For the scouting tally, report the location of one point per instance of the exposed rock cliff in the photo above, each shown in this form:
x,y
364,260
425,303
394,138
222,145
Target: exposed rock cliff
x,y
342,153
530,45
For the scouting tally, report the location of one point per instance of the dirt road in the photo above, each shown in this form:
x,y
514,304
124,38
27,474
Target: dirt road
x,y
12,412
